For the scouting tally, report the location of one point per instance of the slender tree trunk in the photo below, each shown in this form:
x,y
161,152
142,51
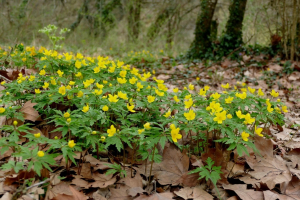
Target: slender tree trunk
x,y
202,41
134,14
294,30
233,37
160,20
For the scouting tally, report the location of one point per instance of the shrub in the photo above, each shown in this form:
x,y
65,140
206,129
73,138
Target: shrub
x,y
98,103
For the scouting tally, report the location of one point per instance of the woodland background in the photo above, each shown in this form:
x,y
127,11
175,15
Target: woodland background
x,y
119,26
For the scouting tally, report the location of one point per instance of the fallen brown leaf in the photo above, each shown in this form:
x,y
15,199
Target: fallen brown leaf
x,y
29,112
157,196
243,193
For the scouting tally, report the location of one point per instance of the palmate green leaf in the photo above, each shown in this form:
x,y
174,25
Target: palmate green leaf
x,y
114,140
240,148
37,167
163,141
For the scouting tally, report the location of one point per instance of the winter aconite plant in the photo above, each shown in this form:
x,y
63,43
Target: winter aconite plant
x,y
98,105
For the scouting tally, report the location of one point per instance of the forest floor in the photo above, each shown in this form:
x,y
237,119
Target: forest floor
x,y
274,174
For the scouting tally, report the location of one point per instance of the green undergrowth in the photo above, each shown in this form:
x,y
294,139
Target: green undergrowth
x,y
97,104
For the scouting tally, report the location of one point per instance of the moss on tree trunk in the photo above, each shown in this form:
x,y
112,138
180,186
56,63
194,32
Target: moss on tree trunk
x,y
202,41
234,35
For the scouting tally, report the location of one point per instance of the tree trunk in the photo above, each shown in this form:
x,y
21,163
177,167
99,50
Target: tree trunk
x,y
134,12
202,41
294,30
161,19
233,37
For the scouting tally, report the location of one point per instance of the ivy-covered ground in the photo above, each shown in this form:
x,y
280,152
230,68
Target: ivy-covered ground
x,y
152,127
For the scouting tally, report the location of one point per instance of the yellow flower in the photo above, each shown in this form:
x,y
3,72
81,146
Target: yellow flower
x,y
159,93
62,90
260,92
215,96
24,59
130,108
252,90
190,115
175,90
220,117
191,86
206,87
94,132
141,130
46,85
15,123
147,126
167,114
214,107
274,94
80,94
37,91
60,73
229,100
151,98
172,126
198,78
258,131
229,116
40,154
121,80
2,110
97,92
270,109
188,103
111,131
175,134
69,120
113,99
72,83
123,73
176,99
96,70
105,82
225,86
133,80
3,83
67,115
102,138
53,82
122,95
278,100
78,64
85,108
244,89
248,119
71,143
239,114
284,109
245,136
42,72
79,75
111,69
242,96
31,78
99,86
187,97
139,85
105,108
37,135
202,92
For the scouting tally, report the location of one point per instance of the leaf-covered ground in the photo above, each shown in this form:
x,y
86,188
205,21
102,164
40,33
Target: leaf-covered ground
x,y
274,174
